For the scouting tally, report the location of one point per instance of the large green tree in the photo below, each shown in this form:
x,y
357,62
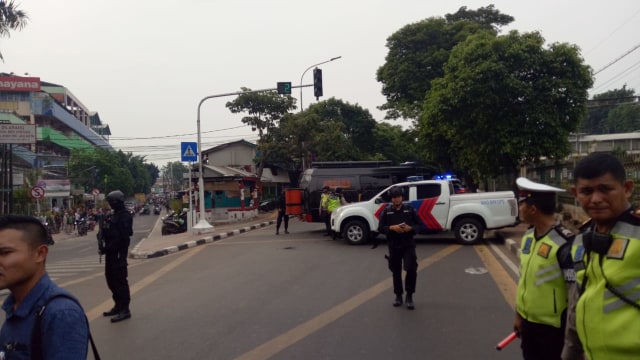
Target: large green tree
x,y
418,52
264,109
504,101
597,120
11,18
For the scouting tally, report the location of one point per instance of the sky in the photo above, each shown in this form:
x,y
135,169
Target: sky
x,y
145,65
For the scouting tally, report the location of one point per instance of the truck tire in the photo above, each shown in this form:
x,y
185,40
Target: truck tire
x,y
468,231
355,232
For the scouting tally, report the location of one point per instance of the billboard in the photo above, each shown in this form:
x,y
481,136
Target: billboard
x,y
19,83
17,134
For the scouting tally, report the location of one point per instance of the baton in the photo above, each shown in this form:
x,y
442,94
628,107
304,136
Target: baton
x,y
506,341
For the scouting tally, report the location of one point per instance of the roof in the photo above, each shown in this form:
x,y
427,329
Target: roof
x,y
225,171
229,144
281,177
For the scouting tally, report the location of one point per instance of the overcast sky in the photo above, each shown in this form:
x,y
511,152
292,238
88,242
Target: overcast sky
x,y
145,65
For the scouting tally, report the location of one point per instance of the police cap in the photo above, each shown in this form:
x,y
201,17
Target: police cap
x,y
533,190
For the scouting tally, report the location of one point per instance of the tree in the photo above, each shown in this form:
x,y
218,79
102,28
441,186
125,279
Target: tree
x,y
418,51
174,175
596,121
265,111
11,19
393,143
623,118
504,101
330,130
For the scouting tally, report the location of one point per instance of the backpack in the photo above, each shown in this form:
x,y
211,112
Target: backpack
x,y
36,336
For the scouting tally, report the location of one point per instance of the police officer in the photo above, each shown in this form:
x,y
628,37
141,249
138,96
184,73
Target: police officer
x,y
546,272
117,228
607,258
399,221
324,209
282,214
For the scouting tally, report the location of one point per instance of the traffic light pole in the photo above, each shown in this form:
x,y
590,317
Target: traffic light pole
x,y
304,72
203,225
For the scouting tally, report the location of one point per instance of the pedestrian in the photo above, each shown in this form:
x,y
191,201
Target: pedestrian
x,y
282,214
43,321
398,222
116,230
606,254
546,273
324,209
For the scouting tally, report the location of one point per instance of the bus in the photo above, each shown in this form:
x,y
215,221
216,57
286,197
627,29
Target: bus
x,y
360,180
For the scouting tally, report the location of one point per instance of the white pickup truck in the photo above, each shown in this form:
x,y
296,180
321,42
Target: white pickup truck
x,y
438,207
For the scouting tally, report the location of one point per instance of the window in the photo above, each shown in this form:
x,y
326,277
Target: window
x,y
427,191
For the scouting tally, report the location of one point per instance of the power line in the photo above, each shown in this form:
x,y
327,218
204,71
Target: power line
x,y
617,59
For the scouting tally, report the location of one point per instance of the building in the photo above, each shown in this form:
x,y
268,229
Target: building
x,y
62,124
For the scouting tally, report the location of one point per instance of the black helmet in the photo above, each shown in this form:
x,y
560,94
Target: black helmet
x,y
339,190
395,192
115,198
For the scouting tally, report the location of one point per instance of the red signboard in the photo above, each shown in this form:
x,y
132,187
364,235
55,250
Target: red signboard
x,y
19,83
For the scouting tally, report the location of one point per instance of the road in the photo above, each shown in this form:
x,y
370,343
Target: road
x,y
303,296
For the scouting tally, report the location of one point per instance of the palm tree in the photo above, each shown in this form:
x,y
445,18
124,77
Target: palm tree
x,y
11,19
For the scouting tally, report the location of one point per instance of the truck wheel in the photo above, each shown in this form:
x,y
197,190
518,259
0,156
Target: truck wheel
x,y
355,232
468,231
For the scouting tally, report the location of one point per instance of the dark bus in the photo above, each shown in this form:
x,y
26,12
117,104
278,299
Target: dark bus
x,y
360,180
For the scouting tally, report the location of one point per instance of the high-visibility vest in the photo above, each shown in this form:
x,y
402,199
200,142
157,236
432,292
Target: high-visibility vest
x,y
334,202
542,291
608,327
324,201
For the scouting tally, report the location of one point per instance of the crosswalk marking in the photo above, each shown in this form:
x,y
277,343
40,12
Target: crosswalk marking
x,y
62,269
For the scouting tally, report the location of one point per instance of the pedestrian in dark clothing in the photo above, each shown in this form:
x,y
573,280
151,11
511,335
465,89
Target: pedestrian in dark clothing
x,y
116,230
398,221
282,214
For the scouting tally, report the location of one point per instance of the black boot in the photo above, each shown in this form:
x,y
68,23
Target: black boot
x,y
122,315
409,302
112,312
398,301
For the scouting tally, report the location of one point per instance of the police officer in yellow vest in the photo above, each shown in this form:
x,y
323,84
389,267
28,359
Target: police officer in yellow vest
x,y
546,270
607,261
324,209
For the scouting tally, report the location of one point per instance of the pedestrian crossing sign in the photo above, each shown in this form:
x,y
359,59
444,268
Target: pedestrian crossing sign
x,y
189,152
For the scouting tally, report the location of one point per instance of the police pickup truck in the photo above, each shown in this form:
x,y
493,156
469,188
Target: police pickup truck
x,y
438,207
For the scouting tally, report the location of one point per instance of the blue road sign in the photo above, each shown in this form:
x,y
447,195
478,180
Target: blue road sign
x,y
189,152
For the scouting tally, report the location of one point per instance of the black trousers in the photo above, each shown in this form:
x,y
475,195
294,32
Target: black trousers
x,y
542,342
282,216
326,216
399,254
116,272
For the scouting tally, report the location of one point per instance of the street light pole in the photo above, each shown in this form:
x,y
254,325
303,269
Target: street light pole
x,y
309,68
203,225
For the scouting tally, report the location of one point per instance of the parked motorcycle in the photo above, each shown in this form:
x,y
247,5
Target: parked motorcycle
x,y
175,223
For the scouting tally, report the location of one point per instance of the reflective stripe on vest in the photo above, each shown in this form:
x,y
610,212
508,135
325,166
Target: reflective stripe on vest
x,y
542,292
608,327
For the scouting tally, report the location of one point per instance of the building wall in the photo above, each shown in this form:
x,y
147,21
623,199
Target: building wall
x,y
237,155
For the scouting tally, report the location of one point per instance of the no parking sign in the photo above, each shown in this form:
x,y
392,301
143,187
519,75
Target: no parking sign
x,y
37,192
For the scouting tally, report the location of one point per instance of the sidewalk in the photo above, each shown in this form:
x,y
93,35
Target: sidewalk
x,y
156,244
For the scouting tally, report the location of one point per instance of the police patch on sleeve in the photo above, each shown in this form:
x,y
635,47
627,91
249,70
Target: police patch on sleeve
x,y
544,250
618,248
526,249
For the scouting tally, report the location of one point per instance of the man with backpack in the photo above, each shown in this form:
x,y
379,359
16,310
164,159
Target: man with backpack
x,y
43,321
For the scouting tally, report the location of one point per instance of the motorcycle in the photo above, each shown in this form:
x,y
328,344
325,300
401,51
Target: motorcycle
x,y
156,210
174,223
82,226
144,210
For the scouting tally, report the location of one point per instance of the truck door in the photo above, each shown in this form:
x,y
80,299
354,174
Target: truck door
x,y
433,207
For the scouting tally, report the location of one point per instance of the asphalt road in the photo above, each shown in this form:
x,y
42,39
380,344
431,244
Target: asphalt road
x,y
304,296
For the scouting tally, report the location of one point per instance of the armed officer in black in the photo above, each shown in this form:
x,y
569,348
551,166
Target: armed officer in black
x,y
116,231
399,221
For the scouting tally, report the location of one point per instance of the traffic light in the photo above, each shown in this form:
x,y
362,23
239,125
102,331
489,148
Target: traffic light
x,y
317,83
284,88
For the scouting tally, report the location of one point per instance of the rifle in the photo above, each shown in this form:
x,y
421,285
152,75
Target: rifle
x,y
100,237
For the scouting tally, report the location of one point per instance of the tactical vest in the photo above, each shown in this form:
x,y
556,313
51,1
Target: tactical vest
x,y
608,327
542,292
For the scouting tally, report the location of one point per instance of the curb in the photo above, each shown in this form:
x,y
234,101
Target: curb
x,y
136,254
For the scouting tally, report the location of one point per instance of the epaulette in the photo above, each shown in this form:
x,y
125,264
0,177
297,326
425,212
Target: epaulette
x,y
564,232
632,216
